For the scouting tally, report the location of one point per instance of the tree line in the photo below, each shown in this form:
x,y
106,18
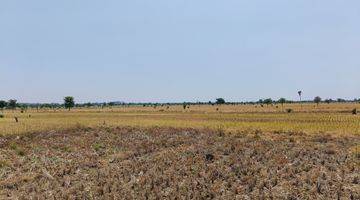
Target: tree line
x,y
69,102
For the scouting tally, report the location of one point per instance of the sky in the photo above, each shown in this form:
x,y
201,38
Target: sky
x,y
178,50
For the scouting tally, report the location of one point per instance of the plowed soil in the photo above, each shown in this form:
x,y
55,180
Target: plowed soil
x,y
169,163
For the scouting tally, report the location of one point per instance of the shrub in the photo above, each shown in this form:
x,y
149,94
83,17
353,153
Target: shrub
x,y
2,116
354,111
184,106
289,110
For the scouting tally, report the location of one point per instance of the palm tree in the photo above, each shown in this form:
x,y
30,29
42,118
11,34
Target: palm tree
x,y
300,93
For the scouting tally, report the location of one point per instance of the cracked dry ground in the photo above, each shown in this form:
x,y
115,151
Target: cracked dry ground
x,y
169,163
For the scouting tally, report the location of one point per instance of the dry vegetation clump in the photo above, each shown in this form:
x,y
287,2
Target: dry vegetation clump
x,y
169,163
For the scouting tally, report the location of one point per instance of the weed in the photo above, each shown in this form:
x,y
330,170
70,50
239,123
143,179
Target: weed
x,y
18,150
3,164
98,146
220,131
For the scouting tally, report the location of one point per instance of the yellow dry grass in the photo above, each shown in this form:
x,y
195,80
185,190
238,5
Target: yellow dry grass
x,y
333,118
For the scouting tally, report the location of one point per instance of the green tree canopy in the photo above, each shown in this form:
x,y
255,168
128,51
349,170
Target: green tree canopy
x,y
282,101
3,104
12,103
268,101
317,100
69,102
220,101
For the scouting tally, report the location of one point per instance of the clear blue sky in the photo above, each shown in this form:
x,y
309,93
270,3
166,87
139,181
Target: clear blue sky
x,y
178,50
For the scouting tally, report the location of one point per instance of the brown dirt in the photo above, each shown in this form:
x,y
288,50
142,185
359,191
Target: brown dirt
x,y
167,163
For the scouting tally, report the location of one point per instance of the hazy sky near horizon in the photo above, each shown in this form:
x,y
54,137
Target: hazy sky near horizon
x,y
178,50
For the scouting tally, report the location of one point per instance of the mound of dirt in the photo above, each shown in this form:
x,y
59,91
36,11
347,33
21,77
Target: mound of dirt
x,y
166,163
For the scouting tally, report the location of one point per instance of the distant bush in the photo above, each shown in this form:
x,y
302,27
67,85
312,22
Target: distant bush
x,y
2,116
289,110
354,111
328,101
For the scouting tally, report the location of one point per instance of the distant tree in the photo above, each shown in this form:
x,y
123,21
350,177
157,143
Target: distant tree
x,y
220,101
103,105
328,101
317,100
45,105
88,104
69,102
3,104
12,103
282,101
340,100
260,101
268,101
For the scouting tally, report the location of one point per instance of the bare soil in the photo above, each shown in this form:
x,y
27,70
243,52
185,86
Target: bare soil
x,y
169,163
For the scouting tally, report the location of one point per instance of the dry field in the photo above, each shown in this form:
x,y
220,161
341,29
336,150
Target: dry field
x,y
203,152
308,118
170,163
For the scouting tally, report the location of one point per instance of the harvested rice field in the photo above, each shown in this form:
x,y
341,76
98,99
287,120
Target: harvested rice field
x,y
109,162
